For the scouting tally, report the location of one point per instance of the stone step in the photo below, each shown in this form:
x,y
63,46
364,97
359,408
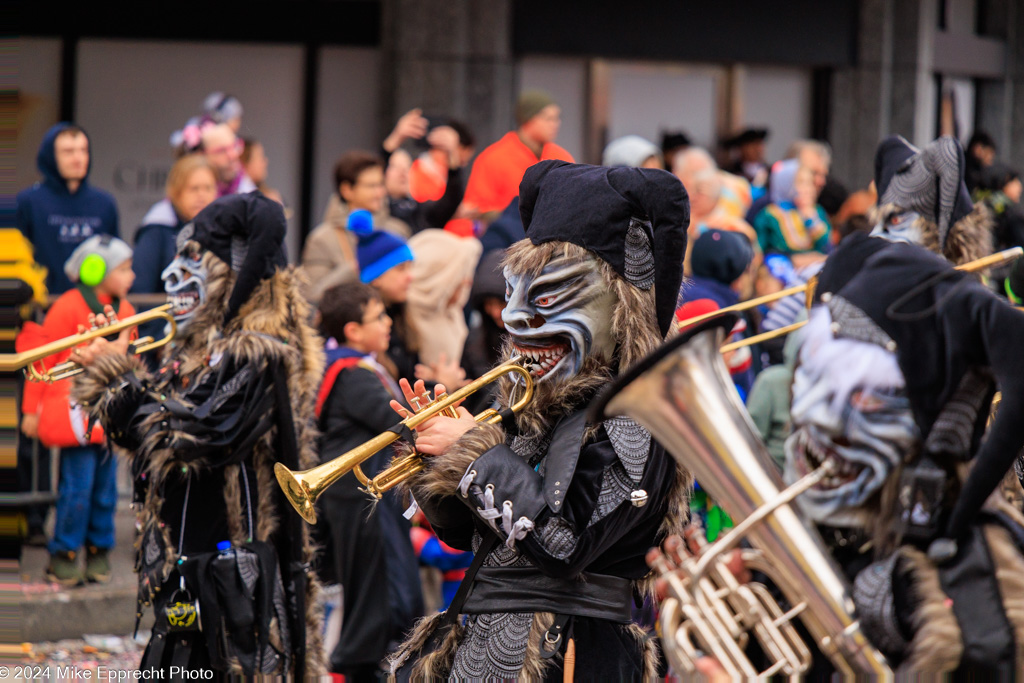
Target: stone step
x,y
50,612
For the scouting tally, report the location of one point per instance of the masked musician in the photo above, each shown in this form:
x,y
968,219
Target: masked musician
x,y
922,199
561,511
901,358
234,396
895,378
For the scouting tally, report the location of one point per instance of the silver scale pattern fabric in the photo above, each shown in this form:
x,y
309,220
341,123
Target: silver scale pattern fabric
x,y
248,570
494,645
954,427
850,322
639,256
872,594
914,185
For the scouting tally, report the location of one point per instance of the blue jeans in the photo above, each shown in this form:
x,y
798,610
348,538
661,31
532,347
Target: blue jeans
x,y
86,499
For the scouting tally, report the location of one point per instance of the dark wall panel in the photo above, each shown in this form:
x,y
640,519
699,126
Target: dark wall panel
x,y
330,22
811,32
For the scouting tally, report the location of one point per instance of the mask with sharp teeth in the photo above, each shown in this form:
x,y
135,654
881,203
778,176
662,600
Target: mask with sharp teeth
x,y
850,406
559,317
185,284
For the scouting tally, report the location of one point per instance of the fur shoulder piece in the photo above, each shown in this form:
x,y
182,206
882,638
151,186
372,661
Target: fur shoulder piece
x,y
92,388
632,444
250,347
969,239
938,644
271,326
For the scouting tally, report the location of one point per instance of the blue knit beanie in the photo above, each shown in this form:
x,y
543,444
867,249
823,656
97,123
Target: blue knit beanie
x,y
378,251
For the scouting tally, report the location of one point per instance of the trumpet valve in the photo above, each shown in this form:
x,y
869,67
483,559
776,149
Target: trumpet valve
x,y
447,412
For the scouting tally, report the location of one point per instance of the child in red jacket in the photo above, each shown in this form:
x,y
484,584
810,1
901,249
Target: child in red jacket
x,y
101,270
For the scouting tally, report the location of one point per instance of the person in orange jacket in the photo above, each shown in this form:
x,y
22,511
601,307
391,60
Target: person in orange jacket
x,y
101,271
497,172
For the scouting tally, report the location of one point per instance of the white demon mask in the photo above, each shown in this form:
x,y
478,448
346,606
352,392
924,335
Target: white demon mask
x,y
849,406
560,317
185,284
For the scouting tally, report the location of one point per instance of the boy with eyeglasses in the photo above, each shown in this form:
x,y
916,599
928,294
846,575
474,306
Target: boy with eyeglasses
x,y
368,548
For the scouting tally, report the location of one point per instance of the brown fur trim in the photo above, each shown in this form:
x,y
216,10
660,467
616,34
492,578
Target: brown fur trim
x,y
552,401
428,666
443,473
236,515
969,239
650,651
91,388
533,664
316,658
1009,566
937,645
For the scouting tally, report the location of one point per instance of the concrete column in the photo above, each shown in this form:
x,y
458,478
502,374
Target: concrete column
x,y
890,90
913,94
450,58
1015,85
860,107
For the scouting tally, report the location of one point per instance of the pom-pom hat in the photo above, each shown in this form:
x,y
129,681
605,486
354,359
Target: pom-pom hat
x,y
378,251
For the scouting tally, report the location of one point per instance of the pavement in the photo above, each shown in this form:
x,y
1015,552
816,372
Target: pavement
x,y
50,612
93,657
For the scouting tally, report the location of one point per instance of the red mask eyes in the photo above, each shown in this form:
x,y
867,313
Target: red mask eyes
x,y
544,300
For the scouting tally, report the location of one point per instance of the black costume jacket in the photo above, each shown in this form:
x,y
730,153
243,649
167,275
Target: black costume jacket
x,y
956,343
202,436
569,542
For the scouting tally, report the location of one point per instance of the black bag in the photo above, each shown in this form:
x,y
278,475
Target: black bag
x,y
239,596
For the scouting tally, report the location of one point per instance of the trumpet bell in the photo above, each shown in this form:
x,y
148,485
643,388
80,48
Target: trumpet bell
x,y
297,491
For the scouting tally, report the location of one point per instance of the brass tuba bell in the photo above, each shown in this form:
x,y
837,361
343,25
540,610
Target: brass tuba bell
x,y
683,395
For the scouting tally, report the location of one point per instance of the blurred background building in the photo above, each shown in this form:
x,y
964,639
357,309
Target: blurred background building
x,y
317,77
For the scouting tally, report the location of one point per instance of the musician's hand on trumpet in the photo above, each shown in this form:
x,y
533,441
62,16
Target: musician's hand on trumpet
x,y
87,354
436,435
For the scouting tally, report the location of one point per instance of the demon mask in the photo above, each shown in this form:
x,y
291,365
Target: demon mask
x,y
849,406
559,318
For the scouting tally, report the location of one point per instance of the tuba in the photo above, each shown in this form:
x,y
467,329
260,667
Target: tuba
x,y
683,395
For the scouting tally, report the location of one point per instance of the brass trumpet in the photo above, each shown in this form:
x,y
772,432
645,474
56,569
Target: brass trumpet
x,y
9,362
996,259
303,488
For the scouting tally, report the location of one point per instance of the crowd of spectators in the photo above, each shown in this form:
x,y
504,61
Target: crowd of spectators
x,y
404,270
